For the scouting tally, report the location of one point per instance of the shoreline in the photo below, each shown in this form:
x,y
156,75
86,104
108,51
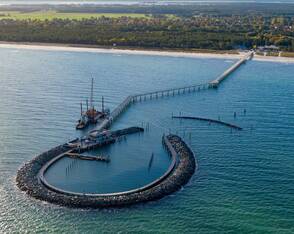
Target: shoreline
x,y
136,51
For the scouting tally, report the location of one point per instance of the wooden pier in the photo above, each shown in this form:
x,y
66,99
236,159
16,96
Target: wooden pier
x,y
215,83
169,93
121,107
115,114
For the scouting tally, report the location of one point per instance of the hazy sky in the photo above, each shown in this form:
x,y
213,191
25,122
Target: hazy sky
x,y
128,1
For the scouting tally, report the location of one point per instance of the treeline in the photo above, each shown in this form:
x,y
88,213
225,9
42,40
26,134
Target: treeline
x,y
182,10
199,32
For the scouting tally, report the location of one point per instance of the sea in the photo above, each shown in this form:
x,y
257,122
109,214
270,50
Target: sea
x,y
138,2
244,180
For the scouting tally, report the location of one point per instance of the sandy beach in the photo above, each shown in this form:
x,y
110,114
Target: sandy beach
x,y
76,48
273,59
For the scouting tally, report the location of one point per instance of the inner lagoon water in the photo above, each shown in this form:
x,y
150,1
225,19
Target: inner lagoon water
x,y
244,182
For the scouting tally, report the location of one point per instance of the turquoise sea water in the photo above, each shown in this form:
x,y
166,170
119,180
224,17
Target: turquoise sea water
x,y
131,2
244,183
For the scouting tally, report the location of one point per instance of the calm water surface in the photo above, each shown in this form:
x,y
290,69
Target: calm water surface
x,y
245,179
132,2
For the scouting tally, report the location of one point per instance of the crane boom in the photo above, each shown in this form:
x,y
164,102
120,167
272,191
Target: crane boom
x,y
91,97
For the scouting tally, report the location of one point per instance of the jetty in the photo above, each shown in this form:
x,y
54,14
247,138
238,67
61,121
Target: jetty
x,y
170,92
215,83
106,123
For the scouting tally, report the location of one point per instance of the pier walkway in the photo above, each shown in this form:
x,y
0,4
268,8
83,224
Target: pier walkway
x,y
169,92
215,83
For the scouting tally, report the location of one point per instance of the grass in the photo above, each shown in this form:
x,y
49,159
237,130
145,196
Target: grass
x,y
260,53
49,15
214,51
274,54
288,54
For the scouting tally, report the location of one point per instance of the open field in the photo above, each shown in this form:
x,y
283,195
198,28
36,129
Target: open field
x,y
149,27
48,15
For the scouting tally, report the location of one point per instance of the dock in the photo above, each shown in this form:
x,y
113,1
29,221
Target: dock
x,y
96,139
88,157
106,123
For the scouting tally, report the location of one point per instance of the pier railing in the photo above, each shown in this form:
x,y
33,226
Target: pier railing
x,y
215,83
169,92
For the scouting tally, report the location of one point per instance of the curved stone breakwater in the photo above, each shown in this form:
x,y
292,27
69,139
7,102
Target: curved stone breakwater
x,y
28,180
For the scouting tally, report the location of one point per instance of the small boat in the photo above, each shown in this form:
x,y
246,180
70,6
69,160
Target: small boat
x,y
82,122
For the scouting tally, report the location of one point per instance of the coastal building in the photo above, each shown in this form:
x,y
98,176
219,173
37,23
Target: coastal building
x,y
268,48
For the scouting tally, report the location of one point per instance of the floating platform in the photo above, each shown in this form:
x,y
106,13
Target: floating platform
x,y
88,157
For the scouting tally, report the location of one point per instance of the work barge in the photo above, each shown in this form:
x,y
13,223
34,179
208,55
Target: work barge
x,y
91,115
30,177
